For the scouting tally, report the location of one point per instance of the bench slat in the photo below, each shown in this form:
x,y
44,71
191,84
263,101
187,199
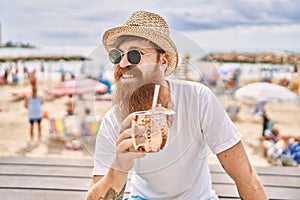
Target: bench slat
x,y
230,191
270,170
81,162
276,181
46,170
28,194
49,183
60,178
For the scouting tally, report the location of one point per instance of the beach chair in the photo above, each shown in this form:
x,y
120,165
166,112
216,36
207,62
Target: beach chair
x,y
57,127
89,132
91,126
61,135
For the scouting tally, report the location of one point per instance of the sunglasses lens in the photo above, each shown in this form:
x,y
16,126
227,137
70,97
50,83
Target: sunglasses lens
x,y
115,56
134,56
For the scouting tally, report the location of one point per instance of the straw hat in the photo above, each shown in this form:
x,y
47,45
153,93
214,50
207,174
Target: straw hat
x,y
147,25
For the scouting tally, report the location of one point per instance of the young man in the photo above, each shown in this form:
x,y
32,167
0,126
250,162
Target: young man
x,y
34,104
143,54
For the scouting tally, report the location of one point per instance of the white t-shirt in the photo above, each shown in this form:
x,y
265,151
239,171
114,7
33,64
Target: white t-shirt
x,y
34,107
180,170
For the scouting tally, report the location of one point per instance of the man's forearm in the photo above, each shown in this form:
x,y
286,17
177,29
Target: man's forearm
x,y
236,164
111,186
252,188
112,194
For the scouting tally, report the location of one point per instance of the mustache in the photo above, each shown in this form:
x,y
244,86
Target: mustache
x,y
119,72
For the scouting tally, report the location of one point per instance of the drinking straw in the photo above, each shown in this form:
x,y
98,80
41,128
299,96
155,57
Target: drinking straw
x,y
155,97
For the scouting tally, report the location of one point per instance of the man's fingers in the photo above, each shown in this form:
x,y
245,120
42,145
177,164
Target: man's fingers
x,y
125,160
125,145
127,121
126,134
137,154
127,151
132,155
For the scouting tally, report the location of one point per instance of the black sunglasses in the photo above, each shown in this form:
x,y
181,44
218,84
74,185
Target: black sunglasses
x,y
133,56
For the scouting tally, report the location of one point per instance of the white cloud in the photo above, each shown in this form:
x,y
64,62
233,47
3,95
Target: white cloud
x,y
69,22
249,38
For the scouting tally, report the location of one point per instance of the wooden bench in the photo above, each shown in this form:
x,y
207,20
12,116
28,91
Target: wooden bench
x,y
65,178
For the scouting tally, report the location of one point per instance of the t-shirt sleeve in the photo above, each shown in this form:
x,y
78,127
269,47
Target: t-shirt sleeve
x,y
105,150
219,132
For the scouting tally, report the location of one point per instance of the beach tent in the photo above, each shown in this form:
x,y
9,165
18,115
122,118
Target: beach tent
x,y
77,87
265,92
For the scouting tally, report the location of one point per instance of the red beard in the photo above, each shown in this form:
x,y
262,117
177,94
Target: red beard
x,y
141,99
136,93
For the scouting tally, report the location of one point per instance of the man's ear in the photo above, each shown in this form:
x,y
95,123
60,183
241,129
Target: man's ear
x,y
163,60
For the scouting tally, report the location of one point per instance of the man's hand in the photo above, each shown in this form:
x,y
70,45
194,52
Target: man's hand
x,y
126,152
112,185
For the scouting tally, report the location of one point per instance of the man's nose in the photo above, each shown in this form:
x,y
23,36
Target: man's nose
x,y
124,61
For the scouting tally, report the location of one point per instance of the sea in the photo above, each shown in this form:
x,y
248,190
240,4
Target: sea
x,y
97,63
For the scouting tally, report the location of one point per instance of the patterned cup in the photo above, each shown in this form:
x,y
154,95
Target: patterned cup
x,y
150,130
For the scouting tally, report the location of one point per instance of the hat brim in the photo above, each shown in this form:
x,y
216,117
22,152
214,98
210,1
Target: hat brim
x,y
152,34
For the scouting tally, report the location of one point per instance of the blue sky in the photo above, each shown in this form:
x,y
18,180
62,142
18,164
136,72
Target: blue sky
x,y
214,24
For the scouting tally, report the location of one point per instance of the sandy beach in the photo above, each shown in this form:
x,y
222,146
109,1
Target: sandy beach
x,y
14,126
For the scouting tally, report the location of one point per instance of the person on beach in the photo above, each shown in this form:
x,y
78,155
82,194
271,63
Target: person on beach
x,y
32,78
34,105
143,53
267,123
69,105
281,149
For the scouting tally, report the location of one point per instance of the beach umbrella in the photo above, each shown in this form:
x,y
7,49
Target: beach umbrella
x,y
21,93
78,87
265,92
227,68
